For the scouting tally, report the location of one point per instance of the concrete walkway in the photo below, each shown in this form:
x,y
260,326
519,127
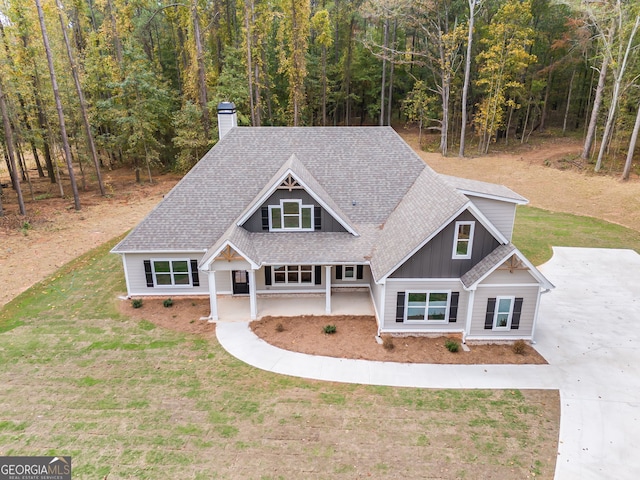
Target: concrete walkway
x,y
588,330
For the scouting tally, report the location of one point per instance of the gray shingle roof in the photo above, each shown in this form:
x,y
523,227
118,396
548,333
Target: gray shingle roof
x,y
484,189
498,256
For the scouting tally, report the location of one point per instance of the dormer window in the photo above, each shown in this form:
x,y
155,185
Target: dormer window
x,y
463,240
290,215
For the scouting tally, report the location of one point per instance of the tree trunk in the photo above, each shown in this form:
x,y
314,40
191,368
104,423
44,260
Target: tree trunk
x,y
83,103
467,76
202,80
56,95
391,69
117,44
545,102
566,110
632,147
324,86
249,63
8,135
597,102
347,82
385,27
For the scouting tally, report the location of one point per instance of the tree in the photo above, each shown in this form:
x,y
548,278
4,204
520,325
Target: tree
x,y
467,74
8,135
322,26
56,95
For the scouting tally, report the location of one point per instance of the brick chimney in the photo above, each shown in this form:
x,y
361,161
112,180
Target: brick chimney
x,y
227,118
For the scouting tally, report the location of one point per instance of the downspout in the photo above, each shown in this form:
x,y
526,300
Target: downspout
x,y
467,327
535,315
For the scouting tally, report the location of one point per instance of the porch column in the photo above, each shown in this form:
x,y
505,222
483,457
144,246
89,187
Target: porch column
x,y
327,275
253,298
467,328
213,296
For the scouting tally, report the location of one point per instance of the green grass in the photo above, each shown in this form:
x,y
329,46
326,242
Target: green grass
x,y
127,399
537,230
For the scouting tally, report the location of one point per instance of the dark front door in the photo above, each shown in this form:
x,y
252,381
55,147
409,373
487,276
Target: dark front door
x,y
240,282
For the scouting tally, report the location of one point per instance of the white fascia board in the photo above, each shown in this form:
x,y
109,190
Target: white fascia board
x,y
274,187
425,241
424,280
314,263
162,252
532,269
475,211
205,266
489,196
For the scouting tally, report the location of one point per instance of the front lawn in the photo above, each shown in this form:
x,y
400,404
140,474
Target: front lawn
x,y
127,399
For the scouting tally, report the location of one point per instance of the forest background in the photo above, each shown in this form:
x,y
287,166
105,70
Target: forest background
x,y
95,84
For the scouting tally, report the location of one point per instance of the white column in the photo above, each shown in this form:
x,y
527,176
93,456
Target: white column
x,y
327,279
213,296
467,328
253,298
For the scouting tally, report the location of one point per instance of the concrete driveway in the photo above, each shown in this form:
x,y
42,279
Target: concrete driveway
x,y
589,332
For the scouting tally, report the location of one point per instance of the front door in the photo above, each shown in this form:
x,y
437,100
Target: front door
x,y
240,280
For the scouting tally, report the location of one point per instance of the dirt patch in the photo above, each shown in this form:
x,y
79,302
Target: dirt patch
x,y
184,315
355,338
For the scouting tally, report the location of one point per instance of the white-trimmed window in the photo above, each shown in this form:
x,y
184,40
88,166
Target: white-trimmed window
x,y
503,313
463,239
171,273
430,307
292,274
349,273
290,215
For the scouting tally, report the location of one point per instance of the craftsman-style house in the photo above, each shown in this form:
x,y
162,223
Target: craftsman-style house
x,y
299,210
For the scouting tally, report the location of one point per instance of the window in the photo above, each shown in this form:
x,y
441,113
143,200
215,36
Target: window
x,y
463,240
290,215
291,274
349,273
172,272
427,306
504,312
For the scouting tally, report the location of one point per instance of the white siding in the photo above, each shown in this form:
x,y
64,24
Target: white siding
x,y
500,214
394,286
519,277
223,282
137,280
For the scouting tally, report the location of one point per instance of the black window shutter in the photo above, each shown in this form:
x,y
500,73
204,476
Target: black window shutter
x,y
453,307
265,218
317,218
517,310
491,308
318,275
148,273
400,307
359,272
267,275
195,276
338,272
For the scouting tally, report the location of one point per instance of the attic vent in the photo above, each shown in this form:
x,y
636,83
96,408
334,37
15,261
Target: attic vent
x,y
290,183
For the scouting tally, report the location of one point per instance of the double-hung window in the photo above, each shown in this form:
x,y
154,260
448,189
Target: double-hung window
x,y
427,306
172,272
290,215
503,313
463,240
292,274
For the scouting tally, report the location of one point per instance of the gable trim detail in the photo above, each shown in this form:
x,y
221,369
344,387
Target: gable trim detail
x,y
212,258
276,184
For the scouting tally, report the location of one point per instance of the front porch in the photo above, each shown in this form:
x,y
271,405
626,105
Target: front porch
x,y
237,308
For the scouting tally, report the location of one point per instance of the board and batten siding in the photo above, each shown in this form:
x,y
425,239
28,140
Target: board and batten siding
x,y
392,287
137,280
500,214
327,223
434,260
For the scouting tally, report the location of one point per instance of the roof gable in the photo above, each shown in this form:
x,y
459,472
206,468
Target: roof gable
x,y
293,174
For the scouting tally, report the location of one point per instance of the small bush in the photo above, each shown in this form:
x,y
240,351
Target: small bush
x,y
387,343
136,303
168,303
452,345
329,329
519,347
279,328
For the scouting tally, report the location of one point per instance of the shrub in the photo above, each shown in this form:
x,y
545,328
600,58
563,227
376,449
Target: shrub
x,y
519,347
136,303
279,328
329,329
452,345
387,343
168,303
